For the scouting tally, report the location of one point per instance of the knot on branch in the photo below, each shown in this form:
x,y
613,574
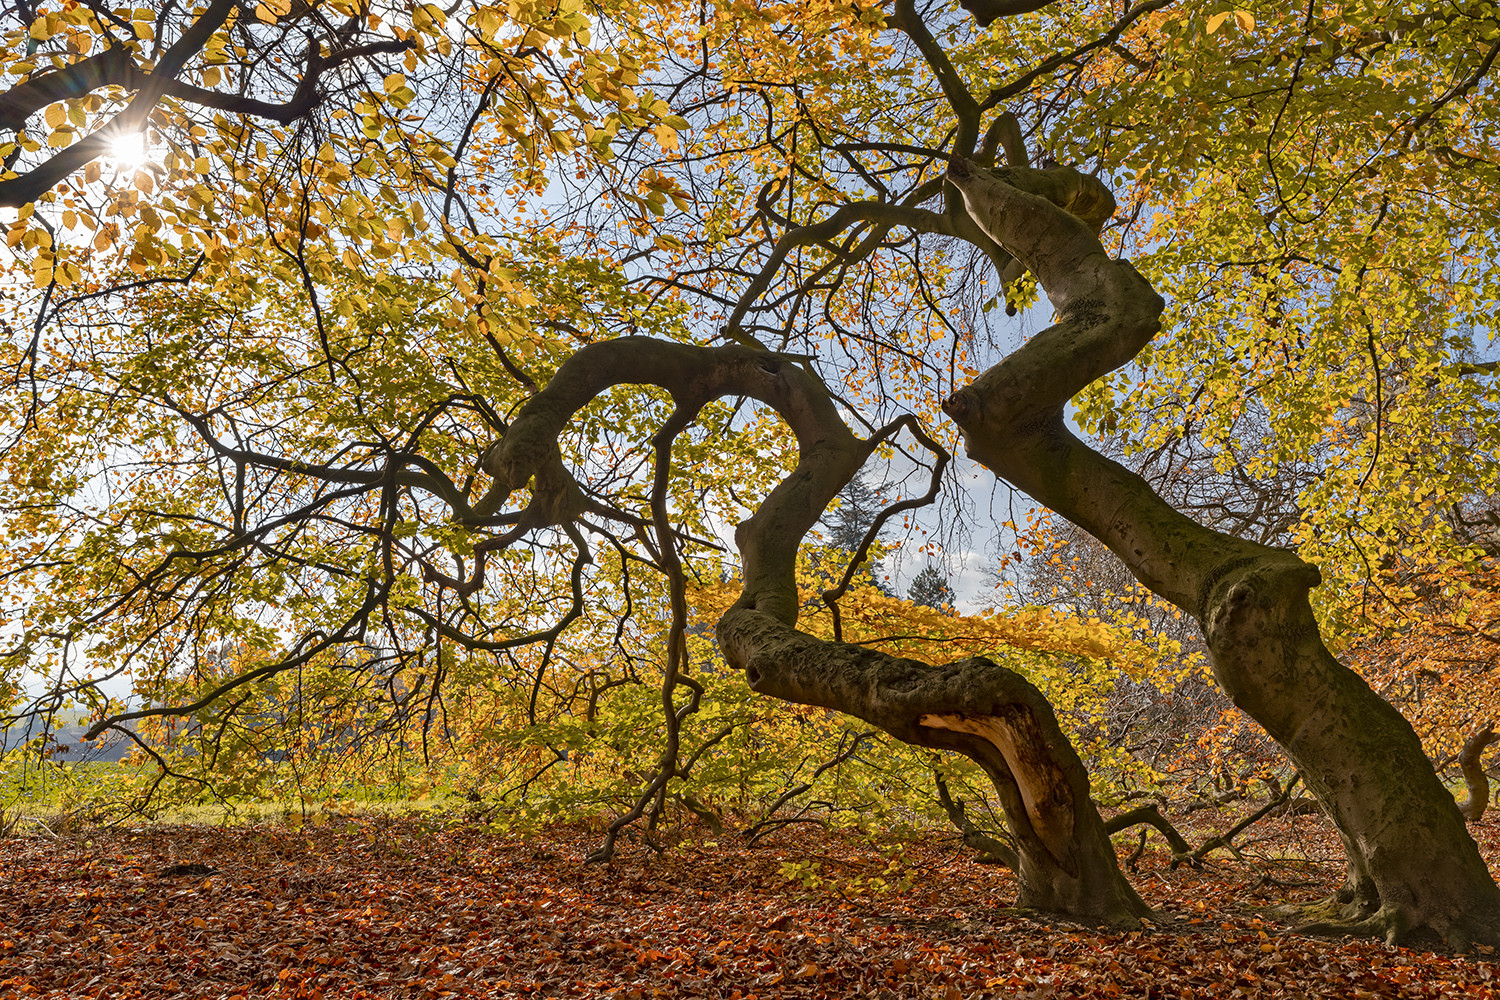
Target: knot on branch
x,y
958,406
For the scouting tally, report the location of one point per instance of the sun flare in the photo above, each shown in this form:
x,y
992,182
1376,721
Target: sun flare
x,y
128,152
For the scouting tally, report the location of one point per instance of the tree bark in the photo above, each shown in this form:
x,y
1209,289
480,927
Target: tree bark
x,y
1471,765
1414,872
977,707
1150,815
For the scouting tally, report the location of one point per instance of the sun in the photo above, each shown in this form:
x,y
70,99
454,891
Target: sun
x,y
128,152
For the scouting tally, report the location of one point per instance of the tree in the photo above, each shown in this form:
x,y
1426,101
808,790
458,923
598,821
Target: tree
x,y
929,588
850,527
859,506
416,410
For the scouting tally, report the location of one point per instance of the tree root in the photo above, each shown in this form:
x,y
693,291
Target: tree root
x,y
1339,918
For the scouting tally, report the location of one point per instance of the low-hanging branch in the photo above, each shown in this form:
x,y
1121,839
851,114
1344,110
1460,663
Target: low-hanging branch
x,y
975,706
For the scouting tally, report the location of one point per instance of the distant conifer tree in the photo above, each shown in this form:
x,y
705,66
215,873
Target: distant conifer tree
x,y
930,588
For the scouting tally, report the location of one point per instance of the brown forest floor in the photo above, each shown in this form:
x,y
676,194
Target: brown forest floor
x,y
380,908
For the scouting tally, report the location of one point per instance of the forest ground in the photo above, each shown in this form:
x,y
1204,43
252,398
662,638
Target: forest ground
x,y
374,906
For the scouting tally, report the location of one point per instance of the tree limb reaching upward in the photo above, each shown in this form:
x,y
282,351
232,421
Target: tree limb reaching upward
x,y
975,707
1251,600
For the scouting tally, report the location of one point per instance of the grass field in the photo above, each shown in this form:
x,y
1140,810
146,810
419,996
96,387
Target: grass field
x,y
76,794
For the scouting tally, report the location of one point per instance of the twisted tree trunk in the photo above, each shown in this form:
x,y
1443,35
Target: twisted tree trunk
x,y
993,715
976,706
1414,872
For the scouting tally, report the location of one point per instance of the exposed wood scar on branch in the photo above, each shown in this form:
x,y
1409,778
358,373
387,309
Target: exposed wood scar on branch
x,y
1044,789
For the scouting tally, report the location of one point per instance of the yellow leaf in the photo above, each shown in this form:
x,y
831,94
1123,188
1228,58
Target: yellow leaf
x,y
210,76
201,165
1245,20
56,115
666,136
144,182
1217,20
395,82
534,38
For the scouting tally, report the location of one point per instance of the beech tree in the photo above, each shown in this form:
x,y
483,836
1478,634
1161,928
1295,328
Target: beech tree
x,y
498,330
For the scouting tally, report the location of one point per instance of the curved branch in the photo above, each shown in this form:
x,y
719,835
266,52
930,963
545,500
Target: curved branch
x,y
1251,600
693,375
348,631
987,12
432,479
29,186
1471,764
117,67
1150,815
965,108
907,214
1023,83
992,850
548,635
1004,134
84,76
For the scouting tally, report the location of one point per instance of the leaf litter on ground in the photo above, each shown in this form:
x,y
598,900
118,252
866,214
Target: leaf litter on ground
x,y
375,907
